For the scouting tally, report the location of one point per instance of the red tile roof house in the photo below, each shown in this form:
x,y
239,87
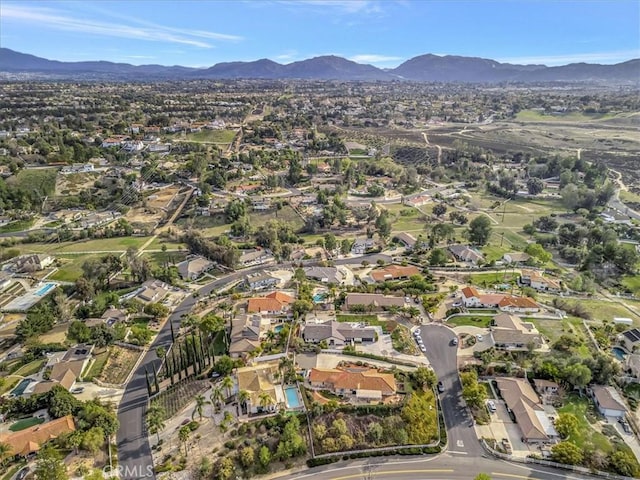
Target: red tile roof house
x,y
394,272
29,440
275,303
361,384
471,298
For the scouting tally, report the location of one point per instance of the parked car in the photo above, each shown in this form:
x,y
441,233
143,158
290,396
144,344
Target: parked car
x,y
507,446
77,390
454,341
22,473
423,349
479,337
491,405
440,387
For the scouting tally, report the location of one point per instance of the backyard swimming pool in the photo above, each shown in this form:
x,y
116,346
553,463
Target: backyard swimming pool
x,y
318,298
21,387
42,291
293,399
278,328
619,353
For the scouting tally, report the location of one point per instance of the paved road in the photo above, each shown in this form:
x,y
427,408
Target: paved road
x,y
134,452
442,467
442,356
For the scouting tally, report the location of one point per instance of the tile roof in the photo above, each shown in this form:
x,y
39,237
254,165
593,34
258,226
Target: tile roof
x,y
374,299
258,379
354,379
31,439
518,302
469,292
281,297
394,271
523,401
263,304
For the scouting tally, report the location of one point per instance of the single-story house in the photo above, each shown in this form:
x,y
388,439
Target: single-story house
x,y
530,415
608,401
406,239
471,298
260,281
394,272
631,339
466,254
535,280
261,379
193,267
273,304
358,383
375,301
361,245
325,274
509,332
516,257
28,441
152,291
337,334
255,257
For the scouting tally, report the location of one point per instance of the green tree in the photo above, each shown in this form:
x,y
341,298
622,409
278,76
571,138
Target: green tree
x,y
535,186
226,469
577,375
339,427
438,257
183,435
5,450
479,230
155,418
439,209
49,465
420,417
624,463
538,252
227,384
424,377
567,453
264,457
79,332
566,424
201,401
93,440
235,210
247,457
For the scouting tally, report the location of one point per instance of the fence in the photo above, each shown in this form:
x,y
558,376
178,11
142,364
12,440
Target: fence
x,y
549,463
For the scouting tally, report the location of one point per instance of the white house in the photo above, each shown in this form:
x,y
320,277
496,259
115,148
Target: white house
x,y
608,401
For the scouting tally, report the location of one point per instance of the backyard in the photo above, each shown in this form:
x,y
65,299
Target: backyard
x,y
97,366
25,423
470,320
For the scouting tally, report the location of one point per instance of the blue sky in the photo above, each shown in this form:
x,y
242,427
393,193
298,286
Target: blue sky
x,y
381,32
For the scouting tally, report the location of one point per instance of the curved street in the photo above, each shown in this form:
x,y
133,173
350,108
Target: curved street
x,y
134,452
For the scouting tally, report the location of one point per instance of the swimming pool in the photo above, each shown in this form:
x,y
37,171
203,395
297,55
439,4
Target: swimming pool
x,y
619,353
318,298
21,387
293,399
42,291
278,328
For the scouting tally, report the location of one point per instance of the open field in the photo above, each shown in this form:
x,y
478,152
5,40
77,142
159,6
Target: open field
x,y
97,366
210,136
119,364
286,214
58,334
116,244
74,183
533,116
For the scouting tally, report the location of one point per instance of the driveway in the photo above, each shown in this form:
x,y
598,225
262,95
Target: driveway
x,y
442,356
629,438
479,346
502,426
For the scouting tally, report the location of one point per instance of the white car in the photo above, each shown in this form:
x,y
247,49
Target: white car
x,y
491,405
479,337
423,348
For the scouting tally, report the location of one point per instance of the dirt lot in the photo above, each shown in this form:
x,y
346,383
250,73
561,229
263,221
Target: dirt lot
x,y
120,363
74,183
158,204
57,334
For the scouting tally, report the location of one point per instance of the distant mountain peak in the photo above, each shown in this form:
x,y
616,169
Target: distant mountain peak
x,y
427,68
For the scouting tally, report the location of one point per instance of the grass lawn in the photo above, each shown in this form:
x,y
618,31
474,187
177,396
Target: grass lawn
x,y
25,423
470,320
30,368
8,383
604,310
494,251
95,369
553,329
490,279
211,136
627,196
512,239
71,267
286,214
17,226
370,319
584,411
632,282
117,244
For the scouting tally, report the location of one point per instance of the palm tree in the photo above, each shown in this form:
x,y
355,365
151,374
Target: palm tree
x,y
265,400
217,397
243,398
183,436
200,403
156,416
227,383
5,450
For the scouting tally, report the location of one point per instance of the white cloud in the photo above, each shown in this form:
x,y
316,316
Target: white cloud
x,y
344,6
288,56
46,17
375,59
594,57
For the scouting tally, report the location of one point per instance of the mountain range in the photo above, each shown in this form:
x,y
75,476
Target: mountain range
x,y
423,68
